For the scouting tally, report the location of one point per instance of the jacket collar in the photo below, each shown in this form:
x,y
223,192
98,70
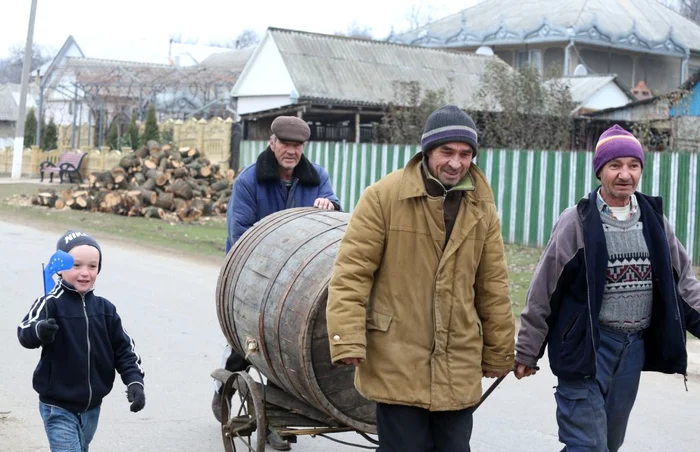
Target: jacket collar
x,y
412,184
589,204
266,170
73,291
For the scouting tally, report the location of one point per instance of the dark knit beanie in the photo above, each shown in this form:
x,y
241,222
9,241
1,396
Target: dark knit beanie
x,y
72,238
448,124
614,143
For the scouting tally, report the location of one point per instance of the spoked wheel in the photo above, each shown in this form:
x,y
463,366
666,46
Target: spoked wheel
x,y
242,413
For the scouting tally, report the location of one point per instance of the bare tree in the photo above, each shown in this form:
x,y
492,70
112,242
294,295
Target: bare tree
x,y
247,38
688,8
405,116
355,30
11,67
419,14
523,112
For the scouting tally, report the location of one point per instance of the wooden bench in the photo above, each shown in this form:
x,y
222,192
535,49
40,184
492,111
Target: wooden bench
x,y
68,164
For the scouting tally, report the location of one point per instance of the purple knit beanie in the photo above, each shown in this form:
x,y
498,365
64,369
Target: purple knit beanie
x,y
614,143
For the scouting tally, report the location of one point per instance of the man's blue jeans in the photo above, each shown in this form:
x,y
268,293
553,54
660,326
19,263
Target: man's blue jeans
x,y
68,431
592,414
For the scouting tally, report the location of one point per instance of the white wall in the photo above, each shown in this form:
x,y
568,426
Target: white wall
x,y
608,96
259,103
265,74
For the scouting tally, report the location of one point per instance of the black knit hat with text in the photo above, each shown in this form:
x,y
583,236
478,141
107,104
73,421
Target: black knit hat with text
x,y
71,239
449,124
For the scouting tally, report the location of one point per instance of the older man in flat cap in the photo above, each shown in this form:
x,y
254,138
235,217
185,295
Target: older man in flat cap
x,y
281,178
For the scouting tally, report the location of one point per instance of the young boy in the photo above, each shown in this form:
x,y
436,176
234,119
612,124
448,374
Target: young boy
x,y
82,342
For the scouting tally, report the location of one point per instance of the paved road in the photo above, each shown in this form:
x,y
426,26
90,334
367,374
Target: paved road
x,y
168,303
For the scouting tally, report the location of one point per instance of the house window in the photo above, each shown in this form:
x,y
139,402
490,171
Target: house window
x,y
531,58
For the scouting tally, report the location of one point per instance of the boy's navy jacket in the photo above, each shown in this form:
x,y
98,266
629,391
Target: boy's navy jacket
x,y
76,370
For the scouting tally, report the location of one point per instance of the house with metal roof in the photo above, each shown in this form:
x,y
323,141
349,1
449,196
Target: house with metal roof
x,y
593,92
639,40
342,85
9,110
672,118
91,93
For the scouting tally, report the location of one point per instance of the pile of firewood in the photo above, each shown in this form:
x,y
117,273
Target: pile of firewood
x,y
154,182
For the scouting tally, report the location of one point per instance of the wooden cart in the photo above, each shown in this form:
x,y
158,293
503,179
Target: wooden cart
x,y
248,406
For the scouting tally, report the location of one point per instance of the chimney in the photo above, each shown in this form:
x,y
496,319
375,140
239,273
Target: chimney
x,y
642,91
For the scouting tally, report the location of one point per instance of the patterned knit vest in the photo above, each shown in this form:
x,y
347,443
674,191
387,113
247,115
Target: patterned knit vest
x,y
628,296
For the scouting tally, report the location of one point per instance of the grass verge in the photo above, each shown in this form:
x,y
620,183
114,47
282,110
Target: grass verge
x,y
204,239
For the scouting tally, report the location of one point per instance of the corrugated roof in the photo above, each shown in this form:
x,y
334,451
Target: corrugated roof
x,y
9,100
352,70
649,19
583,87
233,60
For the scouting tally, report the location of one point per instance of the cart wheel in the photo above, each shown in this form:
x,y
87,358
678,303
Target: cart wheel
x,y
242,413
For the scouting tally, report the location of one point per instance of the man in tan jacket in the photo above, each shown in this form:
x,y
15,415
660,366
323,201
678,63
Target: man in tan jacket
x,y
418,300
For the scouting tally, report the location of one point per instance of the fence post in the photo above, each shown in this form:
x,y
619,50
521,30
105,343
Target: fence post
x,y
201,126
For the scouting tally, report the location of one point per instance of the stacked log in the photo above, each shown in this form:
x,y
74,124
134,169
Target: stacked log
x,y
154,182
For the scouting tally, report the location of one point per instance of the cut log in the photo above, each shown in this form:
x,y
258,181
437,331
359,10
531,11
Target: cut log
x,y
102,179
163,179
148,197
59,203
205,171
149,184
47,199
219,185
139,178
111,200
165,201
66,194
118,175
164,164
181,189
181,172
130,160
175,164
188,214
142,153
150,164
158,156
153,212
82,202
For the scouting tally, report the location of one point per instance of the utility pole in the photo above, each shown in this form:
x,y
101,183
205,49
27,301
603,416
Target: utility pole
x,y
19,130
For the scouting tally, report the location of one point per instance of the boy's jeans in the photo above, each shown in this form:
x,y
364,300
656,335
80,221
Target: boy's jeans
x,y
67,431
592,414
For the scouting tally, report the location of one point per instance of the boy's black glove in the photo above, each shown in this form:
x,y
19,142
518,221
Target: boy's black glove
x,y
46,330
135,395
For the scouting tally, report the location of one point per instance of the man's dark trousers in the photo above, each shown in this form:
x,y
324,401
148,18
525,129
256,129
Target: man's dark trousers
x,y
412,429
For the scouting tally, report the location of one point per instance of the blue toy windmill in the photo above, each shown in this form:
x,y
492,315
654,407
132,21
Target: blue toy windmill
x,y
58,262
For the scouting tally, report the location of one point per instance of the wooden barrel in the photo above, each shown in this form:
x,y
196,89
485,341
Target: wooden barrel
x,y
271,303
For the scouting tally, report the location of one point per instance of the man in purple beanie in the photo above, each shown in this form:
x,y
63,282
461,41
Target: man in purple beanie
x,y
612,295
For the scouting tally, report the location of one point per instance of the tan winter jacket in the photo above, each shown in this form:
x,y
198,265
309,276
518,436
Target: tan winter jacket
x,y
426,321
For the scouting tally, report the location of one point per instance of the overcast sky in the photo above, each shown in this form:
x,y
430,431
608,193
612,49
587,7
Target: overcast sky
x,y
139,30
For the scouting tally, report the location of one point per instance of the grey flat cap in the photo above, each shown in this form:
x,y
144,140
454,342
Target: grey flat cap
x,y
290,128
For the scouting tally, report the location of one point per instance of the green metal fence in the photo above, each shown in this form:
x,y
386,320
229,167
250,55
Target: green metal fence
x,y
531,187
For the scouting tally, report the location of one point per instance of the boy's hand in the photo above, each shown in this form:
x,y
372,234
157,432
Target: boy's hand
x,y
46,330
135,395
